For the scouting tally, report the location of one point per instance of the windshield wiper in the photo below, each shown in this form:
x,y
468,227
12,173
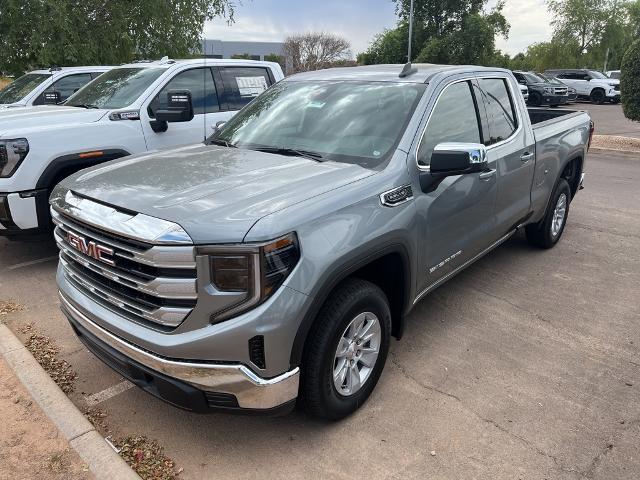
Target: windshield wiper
x,y
86,105
219,141
292,152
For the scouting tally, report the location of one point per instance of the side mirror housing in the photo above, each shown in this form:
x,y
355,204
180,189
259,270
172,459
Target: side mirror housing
x,y
51,98
179,107
450,159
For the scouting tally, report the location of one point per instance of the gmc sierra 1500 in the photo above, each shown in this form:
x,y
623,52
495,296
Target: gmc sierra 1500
x,y
279,258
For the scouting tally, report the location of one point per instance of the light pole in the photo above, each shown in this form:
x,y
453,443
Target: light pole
x,y
410,31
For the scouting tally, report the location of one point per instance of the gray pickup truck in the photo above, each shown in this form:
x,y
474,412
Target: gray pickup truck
x,y
276,261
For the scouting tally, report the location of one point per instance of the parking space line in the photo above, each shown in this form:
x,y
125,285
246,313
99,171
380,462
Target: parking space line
x,y
32,262
107,393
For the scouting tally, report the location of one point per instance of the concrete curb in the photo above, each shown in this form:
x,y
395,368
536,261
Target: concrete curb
x,y
102,460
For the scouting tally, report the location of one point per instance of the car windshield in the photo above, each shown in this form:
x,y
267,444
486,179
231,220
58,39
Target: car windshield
x,y
534,78
615,75
596,74
550,79
19,88
345,121
117,88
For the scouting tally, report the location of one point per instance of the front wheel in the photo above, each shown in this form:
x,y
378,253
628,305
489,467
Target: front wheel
x,y
547,232
346,350
598,96
535,99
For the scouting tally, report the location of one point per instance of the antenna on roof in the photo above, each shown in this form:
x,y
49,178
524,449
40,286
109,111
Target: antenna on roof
x,y
408,69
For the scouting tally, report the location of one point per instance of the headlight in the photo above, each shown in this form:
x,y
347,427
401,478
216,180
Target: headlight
x,y
12,153
548,91
247,275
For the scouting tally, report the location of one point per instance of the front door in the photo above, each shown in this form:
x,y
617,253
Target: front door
x,y
456,218
199,81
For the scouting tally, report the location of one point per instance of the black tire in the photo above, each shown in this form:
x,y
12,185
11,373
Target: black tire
x,y
598,96
319,396
541,234
535,99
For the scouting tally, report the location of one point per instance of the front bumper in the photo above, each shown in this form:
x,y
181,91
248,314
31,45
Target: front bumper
x,y
190,385
24,213
554,99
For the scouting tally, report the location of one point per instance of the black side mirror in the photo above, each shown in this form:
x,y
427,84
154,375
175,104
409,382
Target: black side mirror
x,y
179,107
51,98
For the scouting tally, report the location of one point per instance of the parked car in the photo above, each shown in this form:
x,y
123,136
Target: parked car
x,y
124,111
524,90
280,257
589,84
572,94
57,84
541,90
615,74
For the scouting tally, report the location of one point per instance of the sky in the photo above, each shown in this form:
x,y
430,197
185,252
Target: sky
x,y
359,21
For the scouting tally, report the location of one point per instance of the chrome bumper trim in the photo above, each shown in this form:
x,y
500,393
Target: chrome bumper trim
x,y
250,390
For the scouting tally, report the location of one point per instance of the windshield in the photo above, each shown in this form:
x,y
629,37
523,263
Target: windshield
x,y
550,79
534,78
352,122
595,74
117,88
615,75
19,88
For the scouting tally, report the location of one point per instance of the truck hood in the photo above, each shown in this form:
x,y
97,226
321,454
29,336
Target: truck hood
x,y
215,194
17,120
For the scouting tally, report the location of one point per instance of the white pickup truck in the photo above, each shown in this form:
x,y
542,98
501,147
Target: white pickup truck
x,y
59,83
125,111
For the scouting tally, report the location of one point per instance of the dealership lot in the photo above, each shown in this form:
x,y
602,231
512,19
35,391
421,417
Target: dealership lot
x,y
609,119
527,365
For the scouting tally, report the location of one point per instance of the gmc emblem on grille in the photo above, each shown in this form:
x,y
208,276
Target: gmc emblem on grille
x,y
91,248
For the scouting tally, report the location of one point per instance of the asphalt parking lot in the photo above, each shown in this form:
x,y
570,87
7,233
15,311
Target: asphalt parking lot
x,y
525,366
609,119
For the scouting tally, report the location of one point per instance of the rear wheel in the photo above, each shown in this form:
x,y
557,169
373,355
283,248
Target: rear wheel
x,y
598,96
547,232
346,350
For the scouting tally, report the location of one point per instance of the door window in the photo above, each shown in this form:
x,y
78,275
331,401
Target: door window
x,y
501,112
66,86
199,82
243,84
453,119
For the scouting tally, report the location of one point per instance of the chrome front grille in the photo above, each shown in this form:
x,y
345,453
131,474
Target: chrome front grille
x,y
149,284
561,91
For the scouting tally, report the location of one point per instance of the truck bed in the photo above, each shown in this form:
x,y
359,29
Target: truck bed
x,y
539,115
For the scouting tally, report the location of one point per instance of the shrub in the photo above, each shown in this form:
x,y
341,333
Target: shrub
x,y
630,82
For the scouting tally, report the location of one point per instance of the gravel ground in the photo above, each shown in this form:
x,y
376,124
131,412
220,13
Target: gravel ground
x,y
31,447
616,142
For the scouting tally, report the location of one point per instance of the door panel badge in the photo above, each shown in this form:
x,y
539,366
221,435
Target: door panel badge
x,y
445,261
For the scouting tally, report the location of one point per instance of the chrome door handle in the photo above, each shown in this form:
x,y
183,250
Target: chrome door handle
x,y
525,157
487,175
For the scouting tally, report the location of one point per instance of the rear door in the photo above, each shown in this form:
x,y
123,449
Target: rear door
x,y
511,147
456,217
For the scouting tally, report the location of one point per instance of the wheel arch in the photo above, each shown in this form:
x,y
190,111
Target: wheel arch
x,y
382,267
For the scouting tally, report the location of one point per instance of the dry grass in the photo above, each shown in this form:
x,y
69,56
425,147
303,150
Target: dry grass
x,y
4,82
46,353
616,142
7,307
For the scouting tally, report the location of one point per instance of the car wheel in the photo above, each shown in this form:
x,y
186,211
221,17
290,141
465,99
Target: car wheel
x,y
346,350
535,99
598,96
547,232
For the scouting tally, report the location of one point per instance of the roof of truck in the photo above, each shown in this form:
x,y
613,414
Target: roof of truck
x,y
57,70
168,62
390,72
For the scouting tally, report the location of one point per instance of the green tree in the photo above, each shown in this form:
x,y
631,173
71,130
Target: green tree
x,y
583,21
37,33
630,82
445,31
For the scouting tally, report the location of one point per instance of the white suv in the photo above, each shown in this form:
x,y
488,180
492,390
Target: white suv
x,y
47,86
112,117
590,84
